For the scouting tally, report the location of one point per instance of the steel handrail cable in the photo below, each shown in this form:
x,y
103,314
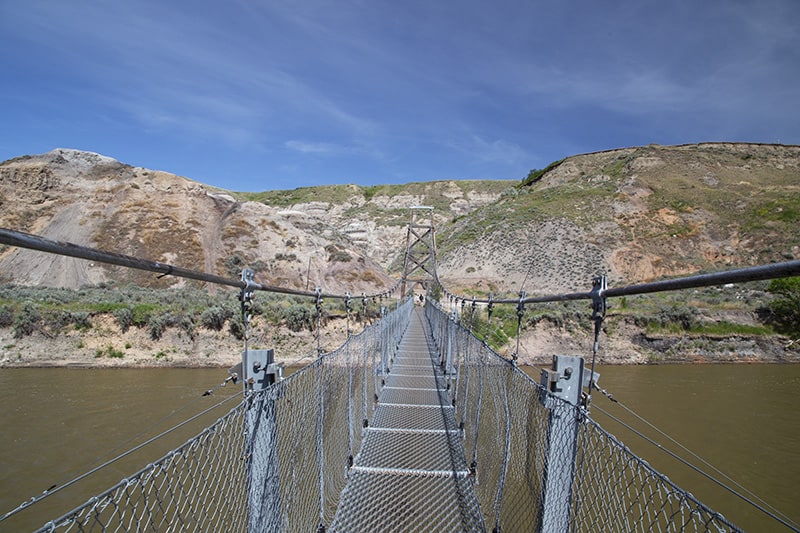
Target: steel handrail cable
x,y
693,454
754,273
788,523
42,244
155,424
48,493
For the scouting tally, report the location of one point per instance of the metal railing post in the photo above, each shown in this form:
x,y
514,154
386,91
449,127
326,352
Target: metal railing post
x,y
450,321
564,381
385,340
263,477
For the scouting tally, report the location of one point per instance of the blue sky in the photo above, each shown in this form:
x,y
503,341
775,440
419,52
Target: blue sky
x,y
259,95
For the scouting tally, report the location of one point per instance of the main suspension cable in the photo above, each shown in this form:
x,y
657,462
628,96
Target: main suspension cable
x,y
35,242
54,490
693,454
740,275
164,418
786,522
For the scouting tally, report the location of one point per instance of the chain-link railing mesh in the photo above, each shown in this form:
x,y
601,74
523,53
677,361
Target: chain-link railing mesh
x,y
411,474
525,474
315,417
197,487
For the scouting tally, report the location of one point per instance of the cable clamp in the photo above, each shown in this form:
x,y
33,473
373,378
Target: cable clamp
x,y
599,304
167,273
319,302
521,305
247,292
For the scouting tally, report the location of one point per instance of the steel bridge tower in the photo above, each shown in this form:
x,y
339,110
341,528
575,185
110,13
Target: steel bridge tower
x,y
419,265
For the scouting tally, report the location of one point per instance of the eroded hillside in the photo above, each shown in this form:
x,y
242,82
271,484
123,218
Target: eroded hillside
x,y
91,200
634,214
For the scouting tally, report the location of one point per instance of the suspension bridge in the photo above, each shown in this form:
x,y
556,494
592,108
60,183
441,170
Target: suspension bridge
x,y
414,424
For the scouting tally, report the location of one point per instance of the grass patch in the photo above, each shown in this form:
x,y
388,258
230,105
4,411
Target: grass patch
x,y
728,328
110,352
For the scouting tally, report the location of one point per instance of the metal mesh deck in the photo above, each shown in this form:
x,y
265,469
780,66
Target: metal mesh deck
x,y
411,473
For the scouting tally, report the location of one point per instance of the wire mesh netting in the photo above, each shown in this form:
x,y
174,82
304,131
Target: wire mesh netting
x,y
222,479
498,452
411,473
532,471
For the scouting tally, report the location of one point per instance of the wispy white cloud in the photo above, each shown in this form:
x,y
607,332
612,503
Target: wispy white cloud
x,y
193,77
334,149
418,88
476,149
317,148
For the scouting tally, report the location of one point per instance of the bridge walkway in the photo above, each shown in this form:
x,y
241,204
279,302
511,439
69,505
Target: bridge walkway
x,y
411,473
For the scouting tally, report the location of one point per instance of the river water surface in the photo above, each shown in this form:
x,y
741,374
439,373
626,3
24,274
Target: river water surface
x,y
59,423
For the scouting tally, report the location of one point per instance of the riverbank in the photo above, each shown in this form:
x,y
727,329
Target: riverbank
x,y
105,346
622,342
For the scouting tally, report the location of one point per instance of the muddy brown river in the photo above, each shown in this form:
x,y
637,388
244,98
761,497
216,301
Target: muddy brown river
x,y
56,424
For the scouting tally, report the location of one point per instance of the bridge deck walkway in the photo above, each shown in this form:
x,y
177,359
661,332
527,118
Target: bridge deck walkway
x,y
411,473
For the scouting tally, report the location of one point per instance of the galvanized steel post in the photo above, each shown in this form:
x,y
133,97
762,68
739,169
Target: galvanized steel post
x,y
564,381
263,478
449,355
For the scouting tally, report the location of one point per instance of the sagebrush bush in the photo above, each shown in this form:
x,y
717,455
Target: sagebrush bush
x,y
215,317
298,317
186,323
6,316
236,328
80,319
158,324
124,318
26,320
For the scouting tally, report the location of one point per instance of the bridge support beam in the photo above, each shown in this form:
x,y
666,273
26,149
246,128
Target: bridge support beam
x,y
564,381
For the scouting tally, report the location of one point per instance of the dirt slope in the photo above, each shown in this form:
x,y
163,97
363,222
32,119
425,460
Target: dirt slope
x,y
634,214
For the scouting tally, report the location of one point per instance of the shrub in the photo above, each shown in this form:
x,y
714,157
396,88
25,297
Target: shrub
x,y
80,319
273,311
234,265
143,313
124,318
258,266
783,312
6,316
26,320
337,255
158,324
298,317
187,324
236,328
671,318
214,317
686,317
110,351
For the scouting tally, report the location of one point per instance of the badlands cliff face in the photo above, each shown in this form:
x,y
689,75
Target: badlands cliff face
x,y
634,214
91,200
340,241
